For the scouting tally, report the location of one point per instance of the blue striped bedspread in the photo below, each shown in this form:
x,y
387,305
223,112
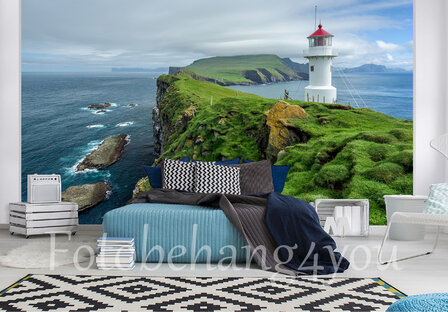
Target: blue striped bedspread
x,y
190,233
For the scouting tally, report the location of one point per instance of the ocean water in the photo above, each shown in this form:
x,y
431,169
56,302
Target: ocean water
x,y
58,130
388,93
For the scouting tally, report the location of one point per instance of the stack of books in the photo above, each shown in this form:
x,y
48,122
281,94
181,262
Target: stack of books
x,y
115,253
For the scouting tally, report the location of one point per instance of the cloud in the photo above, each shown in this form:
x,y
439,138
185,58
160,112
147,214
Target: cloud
x,y
98,35
389,47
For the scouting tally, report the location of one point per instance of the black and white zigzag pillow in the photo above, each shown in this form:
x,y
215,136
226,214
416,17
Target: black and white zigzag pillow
x,y
178,175
211,178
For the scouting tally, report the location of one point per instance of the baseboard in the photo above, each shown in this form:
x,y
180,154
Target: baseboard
x,y
90,227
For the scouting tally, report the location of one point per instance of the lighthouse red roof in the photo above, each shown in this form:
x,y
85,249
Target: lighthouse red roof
x,y
320,32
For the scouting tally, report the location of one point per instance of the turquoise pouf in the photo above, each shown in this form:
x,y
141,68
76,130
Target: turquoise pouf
x,y
424,303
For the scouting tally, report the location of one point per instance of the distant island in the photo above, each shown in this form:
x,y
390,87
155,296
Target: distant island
x,y
373,68
244,69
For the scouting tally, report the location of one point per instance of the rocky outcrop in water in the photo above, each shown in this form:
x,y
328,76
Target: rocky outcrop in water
x,y
100,106
106,154
277,131
87,195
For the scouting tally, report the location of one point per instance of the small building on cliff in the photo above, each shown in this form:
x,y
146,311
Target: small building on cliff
x,y
320,54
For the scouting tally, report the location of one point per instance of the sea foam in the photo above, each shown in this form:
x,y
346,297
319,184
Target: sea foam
x,y
124,124
95,126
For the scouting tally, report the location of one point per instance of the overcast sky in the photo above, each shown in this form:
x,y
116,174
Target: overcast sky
x,y
95,35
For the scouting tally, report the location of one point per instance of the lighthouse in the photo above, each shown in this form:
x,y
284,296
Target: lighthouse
x,y
320,54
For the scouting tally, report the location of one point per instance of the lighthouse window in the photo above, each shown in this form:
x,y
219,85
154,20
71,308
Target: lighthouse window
x,y
312,68
320,41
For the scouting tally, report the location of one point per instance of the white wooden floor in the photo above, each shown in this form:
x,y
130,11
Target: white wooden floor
x,y
420,275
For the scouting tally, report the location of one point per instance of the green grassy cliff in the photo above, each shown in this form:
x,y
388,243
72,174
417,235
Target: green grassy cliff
x,y
334,151
243,69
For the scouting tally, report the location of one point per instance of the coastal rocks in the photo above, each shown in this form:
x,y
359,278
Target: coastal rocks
x,y
253,75
87,195
249,77
132,105
262,75
277,131
183,120
100,106
141,186
106,154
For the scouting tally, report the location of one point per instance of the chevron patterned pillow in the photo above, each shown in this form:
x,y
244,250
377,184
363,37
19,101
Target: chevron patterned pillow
x,y
178,175
438,199
211,178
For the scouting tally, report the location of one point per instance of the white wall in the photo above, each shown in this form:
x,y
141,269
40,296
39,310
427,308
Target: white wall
x,y
430,97
430,91
10,154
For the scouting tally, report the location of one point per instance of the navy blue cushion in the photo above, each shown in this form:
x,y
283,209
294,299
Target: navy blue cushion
x,y
155,174
228,162
279,174
224,162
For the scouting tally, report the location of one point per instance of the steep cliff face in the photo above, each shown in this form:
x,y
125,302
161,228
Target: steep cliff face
x,y
157,119
171,114
187,123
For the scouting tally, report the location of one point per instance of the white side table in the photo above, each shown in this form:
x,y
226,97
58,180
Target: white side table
x,y
34,219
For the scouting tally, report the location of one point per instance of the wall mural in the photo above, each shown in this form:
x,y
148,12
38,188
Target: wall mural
x,y
107,89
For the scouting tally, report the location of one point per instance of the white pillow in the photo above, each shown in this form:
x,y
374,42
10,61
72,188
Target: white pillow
x,y
211,178
178,175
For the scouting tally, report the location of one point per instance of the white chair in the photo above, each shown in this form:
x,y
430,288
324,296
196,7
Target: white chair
x,y
414,218
434,215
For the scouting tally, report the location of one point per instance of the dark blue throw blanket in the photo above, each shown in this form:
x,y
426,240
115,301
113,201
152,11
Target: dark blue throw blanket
x,y
293,222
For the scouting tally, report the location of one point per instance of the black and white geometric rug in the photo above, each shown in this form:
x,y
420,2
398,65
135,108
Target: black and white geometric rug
x,y
133,293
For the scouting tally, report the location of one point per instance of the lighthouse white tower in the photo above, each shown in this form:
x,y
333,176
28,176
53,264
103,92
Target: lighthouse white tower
x,y
320,55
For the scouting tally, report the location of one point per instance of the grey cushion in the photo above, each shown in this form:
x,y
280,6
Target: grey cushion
x,y
255,177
